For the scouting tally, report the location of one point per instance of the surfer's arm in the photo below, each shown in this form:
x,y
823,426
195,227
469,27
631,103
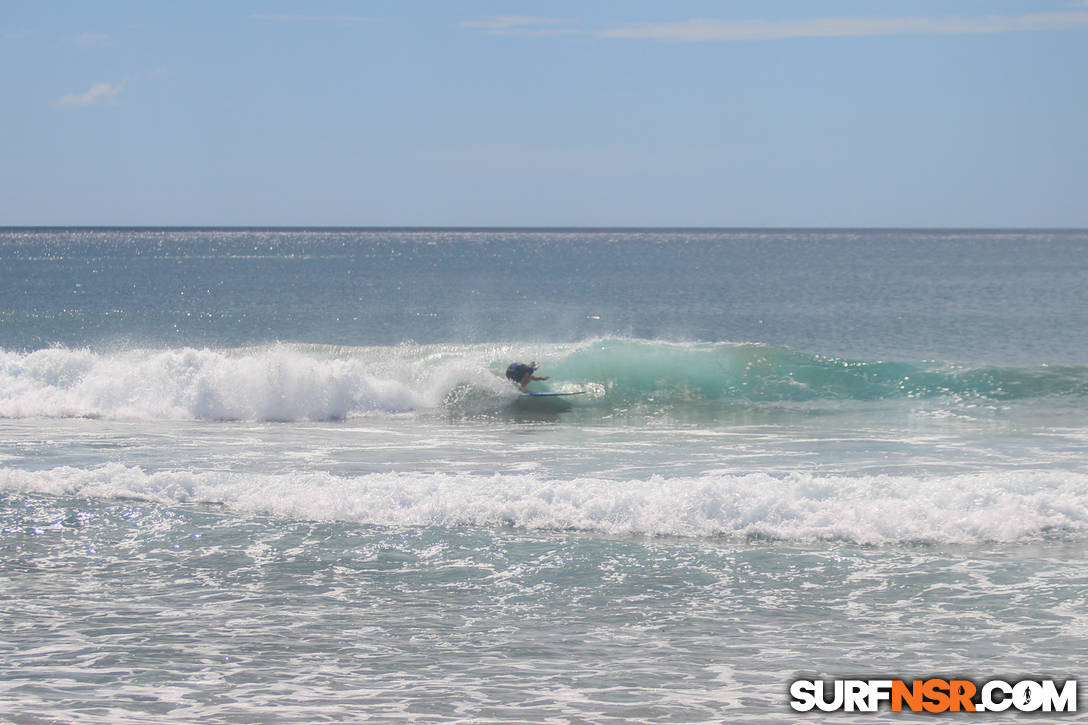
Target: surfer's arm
x,y
529,377
532,377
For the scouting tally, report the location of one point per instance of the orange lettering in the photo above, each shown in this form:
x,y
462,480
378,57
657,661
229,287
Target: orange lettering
x,y
936,691
912,695
961,692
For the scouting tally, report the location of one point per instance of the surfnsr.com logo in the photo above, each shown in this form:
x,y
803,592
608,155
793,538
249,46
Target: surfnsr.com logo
x,y
934,695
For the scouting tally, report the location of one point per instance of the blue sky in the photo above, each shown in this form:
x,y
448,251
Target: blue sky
x,y
961,113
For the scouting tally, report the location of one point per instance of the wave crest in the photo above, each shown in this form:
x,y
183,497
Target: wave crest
x,y
276,383
314,382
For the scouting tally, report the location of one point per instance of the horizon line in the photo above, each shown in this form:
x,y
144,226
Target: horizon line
x,y
474,227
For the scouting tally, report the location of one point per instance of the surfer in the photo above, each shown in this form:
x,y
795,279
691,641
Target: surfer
x,y
522,374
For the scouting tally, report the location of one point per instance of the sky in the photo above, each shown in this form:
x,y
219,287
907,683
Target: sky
x,y
733,113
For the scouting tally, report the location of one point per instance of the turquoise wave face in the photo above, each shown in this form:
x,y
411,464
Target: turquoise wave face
x,y
639,370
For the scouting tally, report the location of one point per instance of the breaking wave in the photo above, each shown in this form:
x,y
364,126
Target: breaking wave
x,y
801,506
320,382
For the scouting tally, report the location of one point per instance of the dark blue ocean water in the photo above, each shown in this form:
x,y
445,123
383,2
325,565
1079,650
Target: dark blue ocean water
x,y
990,296
279,476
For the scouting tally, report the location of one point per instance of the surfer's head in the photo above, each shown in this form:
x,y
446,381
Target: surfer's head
x,y
518,371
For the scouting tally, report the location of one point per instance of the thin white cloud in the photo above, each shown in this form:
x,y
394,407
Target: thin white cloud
x,y
706,30
522,25
98,94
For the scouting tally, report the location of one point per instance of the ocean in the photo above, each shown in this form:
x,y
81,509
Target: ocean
x,y
278,475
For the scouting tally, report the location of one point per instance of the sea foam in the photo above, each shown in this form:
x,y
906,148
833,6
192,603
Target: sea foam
x,y
268,383
964,508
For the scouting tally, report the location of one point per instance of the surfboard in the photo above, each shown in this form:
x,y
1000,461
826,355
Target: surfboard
x,y
530,394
